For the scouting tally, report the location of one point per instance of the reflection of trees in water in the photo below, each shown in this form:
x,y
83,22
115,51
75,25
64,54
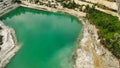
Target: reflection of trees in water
x,y
13,13
23,10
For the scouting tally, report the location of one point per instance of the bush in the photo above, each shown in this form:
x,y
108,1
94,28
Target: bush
x,y
108,26
70,5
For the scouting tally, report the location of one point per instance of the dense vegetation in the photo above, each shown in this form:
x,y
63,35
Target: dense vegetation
x,y
109,29
108,25
18,1
1,0
70,4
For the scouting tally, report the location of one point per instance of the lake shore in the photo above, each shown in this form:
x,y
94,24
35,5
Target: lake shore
x,y
9,46
91,53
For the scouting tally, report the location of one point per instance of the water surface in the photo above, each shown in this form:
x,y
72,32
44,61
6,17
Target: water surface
x,y
47,39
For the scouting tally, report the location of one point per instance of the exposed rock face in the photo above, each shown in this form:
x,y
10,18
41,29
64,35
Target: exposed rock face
x,y
9,46
5,3
91,53
118,4
111,5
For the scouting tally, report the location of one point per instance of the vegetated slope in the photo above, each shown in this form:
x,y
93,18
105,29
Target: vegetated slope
x,y
109,29
108,25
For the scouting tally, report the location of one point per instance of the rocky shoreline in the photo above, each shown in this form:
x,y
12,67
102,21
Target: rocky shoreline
x,y
9,46
91,53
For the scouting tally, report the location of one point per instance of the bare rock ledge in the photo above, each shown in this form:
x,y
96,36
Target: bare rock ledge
x,y
9,46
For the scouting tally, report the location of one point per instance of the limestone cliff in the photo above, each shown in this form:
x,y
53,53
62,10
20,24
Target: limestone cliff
x,y
9,46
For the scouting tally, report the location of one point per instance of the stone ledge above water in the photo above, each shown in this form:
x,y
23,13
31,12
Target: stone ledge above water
x,y
9,46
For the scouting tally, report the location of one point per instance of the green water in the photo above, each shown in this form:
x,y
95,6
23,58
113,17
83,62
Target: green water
x,y
48,39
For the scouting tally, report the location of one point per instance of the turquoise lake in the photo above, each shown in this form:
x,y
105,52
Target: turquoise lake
x,y
47,39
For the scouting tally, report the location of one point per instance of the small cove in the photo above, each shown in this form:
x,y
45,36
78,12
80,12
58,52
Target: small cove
x,y
47,39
